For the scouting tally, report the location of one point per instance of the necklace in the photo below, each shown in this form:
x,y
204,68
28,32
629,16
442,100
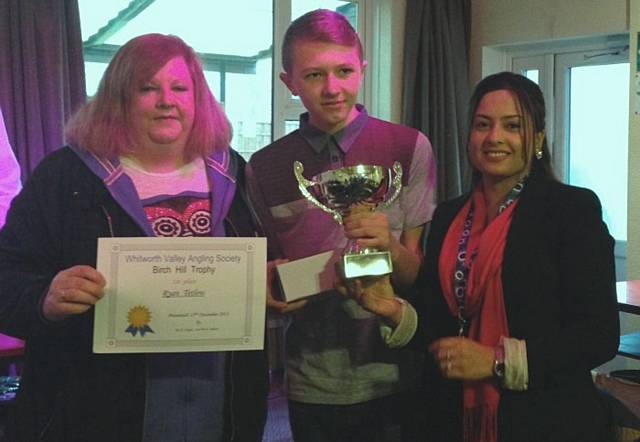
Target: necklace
x,y
463,266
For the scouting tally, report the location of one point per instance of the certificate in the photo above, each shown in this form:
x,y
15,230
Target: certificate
x,y
181,295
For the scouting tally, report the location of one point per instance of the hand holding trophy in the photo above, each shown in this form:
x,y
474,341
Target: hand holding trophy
x,y
348,189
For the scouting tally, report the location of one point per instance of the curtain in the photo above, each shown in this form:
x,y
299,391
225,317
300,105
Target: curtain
x,y
436,84
41,74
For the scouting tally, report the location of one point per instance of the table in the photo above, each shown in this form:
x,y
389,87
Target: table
x,y
11,352
10,347
629,296
629,302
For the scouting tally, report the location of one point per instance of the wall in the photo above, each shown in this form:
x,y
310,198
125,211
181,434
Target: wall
x,y
633,232
496,22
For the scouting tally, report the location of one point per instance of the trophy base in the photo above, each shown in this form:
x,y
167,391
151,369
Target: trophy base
x,y
358,265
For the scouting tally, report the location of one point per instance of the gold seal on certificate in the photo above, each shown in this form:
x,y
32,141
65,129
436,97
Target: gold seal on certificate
x,y
181,295
139,319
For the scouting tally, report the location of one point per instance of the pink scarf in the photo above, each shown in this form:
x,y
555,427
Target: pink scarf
x,y
484,305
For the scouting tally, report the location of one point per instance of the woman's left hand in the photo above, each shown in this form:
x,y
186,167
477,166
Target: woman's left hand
x,y
462,358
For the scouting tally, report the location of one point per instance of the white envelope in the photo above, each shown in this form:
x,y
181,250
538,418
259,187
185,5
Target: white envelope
x,y
308,276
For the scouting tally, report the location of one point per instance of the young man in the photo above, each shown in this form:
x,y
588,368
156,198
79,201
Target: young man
x,y
345,365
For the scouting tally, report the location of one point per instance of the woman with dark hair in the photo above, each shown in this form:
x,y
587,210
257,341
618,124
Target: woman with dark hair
x,y
516,296
148,156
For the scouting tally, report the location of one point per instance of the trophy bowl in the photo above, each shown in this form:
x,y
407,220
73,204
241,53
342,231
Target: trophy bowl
x,y
345,190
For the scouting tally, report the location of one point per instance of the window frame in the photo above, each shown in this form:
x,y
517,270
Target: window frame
x,y
562,92
544,56
285,107
374,19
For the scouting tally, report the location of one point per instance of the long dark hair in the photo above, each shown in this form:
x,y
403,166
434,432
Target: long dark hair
x,y
530,101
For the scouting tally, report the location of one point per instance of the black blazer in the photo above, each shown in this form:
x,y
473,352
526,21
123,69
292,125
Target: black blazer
x,y
559,288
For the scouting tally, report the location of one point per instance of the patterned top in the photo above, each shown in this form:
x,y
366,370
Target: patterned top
x,y
336,353
176,203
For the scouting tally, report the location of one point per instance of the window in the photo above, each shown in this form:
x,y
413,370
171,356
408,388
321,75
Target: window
x,y
595,132
234,41
586,88
590,103
532,74
287,108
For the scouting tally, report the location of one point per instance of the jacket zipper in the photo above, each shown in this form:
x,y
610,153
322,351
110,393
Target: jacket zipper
x,y
232,435
109,220
231,397
232,226
47,426
231,354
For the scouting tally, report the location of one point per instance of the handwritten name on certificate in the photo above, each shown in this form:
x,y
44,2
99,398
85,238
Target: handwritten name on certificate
x,y
181,295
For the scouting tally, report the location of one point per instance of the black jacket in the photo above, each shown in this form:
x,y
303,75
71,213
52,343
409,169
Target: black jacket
x,y
67,392
559,289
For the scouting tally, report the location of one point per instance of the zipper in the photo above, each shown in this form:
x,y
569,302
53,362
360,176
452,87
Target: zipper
x,y
234,230
109,220
232,421
45,429
231,397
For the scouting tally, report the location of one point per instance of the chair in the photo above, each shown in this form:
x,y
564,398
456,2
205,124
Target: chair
x,y
11,353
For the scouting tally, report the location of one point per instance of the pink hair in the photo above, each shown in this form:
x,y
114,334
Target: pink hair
x,y
102,125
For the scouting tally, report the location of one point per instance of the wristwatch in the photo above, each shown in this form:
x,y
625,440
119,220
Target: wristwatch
x,y
498,363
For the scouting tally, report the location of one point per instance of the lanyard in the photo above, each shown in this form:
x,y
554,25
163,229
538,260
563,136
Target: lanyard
x,y
463,266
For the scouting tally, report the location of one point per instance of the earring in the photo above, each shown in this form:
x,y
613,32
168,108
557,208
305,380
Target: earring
x,y
539,154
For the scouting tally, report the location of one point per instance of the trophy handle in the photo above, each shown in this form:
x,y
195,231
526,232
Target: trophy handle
x,y
303,183
397,185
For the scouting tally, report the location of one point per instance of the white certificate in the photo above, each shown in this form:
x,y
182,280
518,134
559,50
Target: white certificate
x,y
181,295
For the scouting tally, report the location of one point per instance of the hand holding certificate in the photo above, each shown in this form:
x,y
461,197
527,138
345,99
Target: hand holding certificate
x,y
181,295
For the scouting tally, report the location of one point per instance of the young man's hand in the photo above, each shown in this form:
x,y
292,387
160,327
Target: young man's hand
x,y
272,287
374,294
369,228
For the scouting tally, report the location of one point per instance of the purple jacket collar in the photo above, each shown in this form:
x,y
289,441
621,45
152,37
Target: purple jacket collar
x,y
219,171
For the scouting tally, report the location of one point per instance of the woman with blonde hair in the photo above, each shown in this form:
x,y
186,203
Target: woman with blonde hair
x,y
148,156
